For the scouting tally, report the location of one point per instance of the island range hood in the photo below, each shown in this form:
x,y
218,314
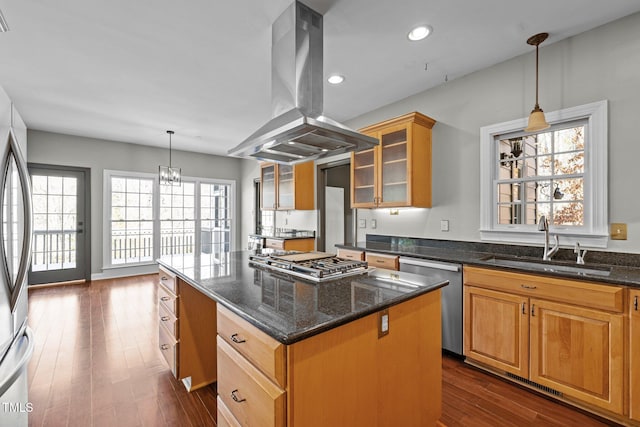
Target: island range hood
x,y
299,131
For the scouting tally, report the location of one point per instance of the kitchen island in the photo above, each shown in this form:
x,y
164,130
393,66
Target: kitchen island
x,y
361,350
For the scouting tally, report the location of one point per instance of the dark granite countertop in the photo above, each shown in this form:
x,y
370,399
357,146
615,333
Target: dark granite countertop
x,y
290,309
622,268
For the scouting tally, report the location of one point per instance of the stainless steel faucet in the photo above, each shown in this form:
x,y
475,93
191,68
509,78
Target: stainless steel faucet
x,y
543,225
580,254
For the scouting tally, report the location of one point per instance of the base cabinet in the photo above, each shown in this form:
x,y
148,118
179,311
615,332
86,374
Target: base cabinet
x,y
335,378
187,321
513,325
634,354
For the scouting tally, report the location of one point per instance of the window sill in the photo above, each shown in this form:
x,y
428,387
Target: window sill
x,y
590,240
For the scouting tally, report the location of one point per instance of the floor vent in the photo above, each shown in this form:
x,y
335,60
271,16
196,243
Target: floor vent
x,y
536,385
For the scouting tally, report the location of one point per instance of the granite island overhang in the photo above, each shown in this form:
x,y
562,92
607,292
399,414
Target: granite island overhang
x,y
290,309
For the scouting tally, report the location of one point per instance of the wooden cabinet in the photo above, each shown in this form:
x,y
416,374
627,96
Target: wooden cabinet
x,y
350,254
334,378
186,323
390,262
634,354
287,187
304,245
397,172
562,334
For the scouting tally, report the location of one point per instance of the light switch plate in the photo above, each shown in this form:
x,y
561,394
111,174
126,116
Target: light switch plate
x,y
618,231
444,225
383,322
362,223
373,223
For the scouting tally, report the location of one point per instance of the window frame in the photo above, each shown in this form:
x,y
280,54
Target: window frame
x,y
106,220
594,232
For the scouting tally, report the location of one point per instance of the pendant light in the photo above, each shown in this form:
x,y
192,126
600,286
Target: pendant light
x,y
536,118
168,174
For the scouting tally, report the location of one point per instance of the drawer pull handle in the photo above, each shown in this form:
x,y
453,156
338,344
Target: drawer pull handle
x,y
164,347
165,299
523,304
533,313
635,303
237,340
528,286
235,397
163,278
164,318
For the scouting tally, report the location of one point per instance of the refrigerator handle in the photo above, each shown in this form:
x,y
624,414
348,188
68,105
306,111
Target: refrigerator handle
x,y
18,367
25,188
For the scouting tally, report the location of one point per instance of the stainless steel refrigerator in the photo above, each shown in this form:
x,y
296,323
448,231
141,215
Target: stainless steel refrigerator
x,y
16,339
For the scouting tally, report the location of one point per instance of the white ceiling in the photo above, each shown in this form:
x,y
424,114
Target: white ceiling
x,y
129,70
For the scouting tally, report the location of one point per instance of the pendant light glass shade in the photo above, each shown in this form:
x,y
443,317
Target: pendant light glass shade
x,y
169,175
537,121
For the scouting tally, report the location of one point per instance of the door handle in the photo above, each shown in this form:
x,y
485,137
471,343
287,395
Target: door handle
x,y
533,313
635,303
523,309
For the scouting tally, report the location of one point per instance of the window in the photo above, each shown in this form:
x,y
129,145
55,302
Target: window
x,y
559,173
147,221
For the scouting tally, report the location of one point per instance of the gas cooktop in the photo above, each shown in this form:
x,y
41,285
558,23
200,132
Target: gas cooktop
x,y
316,266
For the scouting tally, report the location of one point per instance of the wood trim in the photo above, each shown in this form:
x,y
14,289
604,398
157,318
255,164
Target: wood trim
x,y
634,355
416,117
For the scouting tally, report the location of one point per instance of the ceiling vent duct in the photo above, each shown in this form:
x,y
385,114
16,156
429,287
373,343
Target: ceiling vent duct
x,y
299,131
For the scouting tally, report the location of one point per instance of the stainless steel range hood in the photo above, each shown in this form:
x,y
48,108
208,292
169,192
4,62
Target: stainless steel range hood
x,y
299,131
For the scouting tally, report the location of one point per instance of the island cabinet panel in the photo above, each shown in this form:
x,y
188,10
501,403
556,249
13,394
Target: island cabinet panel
x,y
390,262
634,365
350,254
186,323
496,329
397,172
579,352
248,394
225,417
564,334
349,376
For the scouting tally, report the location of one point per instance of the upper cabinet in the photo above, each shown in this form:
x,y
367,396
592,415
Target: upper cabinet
x,y
287,187
396,173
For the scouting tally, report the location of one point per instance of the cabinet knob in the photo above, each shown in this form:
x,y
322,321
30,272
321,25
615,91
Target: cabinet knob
x,y
164,347
235,397
236,339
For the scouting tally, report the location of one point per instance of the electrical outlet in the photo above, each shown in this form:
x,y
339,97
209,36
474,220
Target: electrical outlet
x,y
362,223
444,225
373,223
618,231
383,323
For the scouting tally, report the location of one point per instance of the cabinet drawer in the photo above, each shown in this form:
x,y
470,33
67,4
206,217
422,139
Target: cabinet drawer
x,y
391,262
587,294
169,348
168,319
169,299
249,395
267,354
168,280
349,254
274,244
225,417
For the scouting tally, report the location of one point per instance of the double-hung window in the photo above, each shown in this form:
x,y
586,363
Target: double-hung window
x,y
559,173
147,221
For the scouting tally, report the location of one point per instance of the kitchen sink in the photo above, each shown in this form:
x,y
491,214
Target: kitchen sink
x,y
530,264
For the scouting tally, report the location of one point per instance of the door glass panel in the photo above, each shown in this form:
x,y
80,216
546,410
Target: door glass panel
x,y
55,213
364,177
394,166
12,220
285,186
268,186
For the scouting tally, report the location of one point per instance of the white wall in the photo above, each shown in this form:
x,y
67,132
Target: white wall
x,y
98,155
599,64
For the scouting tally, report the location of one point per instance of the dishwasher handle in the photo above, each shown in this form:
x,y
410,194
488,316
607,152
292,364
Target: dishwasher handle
x,y
430,264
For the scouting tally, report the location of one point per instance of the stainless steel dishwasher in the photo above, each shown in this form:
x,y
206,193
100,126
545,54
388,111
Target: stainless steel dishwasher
x,y
451,296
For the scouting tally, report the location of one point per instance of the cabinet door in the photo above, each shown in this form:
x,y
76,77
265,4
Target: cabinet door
x,y
579,352
496,329
286,188
394,167
363,179
268,180
634,365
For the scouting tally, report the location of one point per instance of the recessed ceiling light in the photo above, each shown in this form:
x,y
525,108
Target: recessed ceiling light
x,y
419,33
335,79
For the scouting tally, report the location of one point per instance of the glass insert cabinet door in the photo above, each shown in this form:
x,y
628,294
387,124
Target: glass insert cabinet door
x,y
364,178
285,187
394,166
268,179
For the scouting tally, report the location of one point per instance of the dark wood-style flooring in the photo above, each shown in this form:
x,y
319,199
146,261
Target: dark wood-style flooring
x,y
96,363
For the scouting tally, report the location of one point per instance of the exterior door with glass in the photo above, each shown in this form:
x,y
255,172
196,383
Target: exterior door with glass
x,y
60,245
